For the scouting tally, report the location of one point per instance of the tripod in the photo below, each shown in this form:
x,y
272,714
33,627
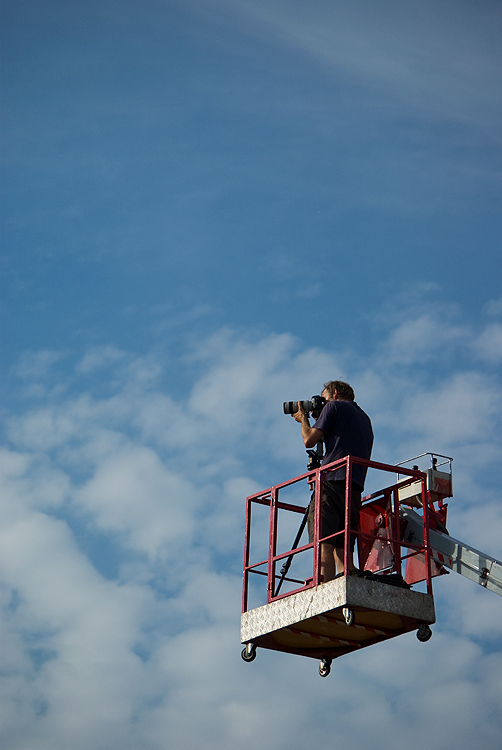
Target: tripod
x,y
315,459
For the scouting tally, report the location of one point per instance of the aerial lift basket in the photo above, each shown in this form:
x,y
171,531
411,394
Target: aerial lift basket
x,y
299,613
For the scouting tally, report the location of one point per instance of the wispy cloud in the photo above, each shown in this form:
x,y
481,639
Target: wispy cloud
x,y
435,59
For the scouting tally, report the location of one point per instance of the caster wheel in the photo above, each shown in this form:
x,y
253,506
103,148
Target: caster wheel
x,y
248,653
424,633
349,615
325,667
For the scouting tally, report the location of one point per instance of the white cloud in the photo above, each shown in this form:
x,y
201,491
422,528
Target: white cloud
x,y
489,343
134,495
80,628
465,408
494,307
99,357
424,337
30,477
34,365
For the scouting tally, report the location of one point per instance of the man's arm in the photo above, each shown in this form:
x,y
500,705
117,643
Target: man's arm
x,y
310,435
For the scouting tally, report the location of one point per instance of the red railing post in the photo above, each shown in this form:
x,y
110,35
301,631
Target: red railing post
x,y
247,531
348,503
316,573
272,544
396,531
427,549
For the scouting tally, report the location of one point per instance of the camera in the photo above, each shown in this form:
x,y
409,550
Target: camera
x,y
313,407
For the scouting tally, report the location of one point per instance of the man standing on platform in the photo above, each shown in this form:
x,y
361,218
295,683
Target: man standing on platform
x,y
346,431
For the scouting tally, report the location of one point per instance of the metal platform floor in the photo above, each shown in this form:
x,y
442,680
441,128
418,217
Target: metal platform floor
x,y
337,617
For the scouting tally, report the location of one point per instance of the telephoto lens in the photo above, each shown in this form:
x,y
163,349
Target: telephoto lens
x,y
291,407
315,406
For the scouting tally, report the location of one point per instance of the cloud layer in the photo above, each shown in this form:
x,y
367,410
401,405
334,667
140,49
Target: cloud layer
x,y
122,533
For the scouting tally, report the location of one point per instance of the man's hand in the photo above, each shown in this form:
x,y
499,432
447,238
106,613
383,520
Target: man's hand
x,y
300,415
310,435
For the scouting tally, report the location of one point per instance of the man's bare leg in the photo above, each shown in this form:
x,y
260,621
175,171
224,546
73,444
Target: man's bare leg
x,y
332,561
327,562
338,560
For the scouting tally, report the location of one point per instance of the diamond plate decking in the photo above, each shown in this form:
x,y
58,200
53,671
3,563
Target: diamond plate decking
x,y
311,623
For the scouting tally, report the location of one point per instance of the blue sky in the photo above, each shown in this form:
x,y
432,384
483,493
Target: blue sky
x,y
210,207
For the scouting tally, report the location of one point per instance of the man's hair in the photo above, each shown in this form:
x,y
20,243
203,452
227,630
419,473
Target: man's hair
x,y
344,390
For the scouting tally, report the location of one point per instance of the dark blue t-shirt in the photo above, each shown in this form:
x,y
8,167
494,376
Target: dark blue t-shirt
x,y
347,432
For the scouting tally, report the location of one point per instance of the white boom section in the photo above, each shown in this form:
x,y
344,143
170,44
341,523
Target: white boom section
x,y
455,555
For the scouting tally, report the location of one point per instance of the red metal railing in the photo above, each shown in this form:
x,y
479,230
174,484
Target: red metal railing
x,y
385,501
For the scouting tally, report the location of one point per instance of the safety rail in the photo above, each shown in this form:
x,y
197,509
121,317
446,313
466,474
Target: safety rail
x,y
385,503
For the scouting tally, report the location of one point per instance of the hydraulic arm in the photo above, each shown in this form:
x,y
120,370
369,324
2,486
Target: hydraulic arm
x,y
455,555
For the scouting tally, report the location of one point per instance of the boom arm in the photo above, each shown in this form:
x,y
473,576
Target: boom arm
x,y
455,555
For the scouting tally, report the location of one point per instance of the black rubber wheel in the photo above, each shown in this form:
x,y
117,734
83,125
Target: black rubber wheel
x,y
248,653
325,667
424,633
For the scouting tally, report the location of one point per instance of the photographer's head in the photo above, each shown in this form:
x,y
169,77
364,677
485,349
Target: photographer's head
x,y
337,390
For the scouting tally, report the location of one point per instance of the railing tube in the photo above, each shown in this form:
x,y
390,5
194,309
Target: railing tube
x,y
427,549
272,544
319,479
348,503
